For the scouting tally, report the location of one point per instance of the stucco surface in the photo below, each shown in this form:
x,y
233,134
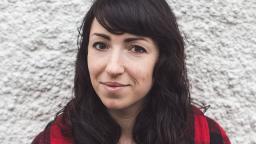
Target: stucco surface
x,y
38,50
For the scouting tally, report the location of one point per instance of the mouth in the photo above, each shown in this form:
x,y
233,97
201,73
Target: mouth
x,y
113,86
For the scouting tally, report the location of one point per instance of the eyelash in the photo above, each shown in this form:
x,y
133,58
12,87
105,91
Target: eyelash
x,y
138,49
100,43
133,48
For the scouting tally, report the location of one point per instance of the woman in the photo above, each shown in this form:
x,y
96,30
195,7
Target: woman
x,y
131,82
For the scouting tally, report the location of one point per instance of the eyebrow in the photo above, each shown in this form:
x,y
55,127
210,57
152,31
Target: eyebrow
x,y
126,40
102,35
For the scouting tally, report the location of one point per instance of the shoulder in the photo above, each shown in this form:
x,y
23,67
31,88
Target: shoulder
x,y
55,132
44,136
206,130
217,133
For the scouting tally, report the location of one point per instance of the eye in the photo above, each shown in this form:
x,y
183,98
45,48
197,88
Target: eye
x,y
138,49
99,45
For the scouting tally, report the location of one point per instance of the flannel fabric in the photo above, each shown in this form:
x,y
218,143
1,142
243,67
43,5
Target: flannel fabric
x,y
205,131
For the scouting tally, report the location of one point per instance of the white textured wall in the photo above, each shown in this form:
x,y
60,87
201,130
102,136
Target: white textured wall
x,y
38,49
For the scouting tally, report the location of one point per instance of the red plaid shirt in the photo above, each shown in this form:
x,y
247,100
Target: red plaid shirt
x,y
206,131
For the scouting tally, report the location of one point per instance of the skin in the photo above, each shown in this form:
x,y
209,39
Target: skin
x,y
121,71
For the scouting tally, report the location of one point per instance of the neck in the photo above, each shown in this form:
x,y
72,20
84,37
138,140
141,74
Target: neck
x,y
126,119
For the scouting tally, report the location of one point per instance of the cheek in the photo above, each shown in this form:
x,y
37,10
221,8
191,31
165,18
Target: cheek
x,y
94,64
147,78
143,75
143,83
93,68
90,66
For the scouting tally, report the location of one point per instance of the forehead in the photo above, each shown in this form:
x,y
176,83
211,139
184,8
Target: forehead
x,y
97,28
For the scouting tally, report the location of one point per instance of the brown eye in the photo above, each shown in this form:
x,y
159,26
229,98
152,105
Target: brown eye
x,y
138,49
99,45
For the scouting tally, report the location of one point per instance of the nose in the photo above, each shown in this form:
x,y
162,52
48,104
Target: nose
x,y
115,65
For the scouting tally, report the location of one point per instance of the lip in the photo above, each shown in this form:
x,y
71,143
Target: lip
x,y
113,86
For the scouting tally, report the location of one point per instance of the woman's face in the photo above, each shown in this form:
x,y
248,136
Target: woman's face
x,y
120,67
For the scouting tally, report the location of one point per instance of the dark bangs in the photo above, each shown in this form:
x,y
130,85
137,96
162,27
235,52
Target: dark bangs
x,y
150,18
131,16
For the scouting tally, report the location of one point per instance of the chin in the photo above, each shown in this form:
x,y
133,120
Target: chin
x,y
114,105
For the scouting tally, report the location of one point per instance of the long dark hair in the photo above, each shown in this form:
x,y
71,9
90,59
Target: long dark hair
x,y
164,118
